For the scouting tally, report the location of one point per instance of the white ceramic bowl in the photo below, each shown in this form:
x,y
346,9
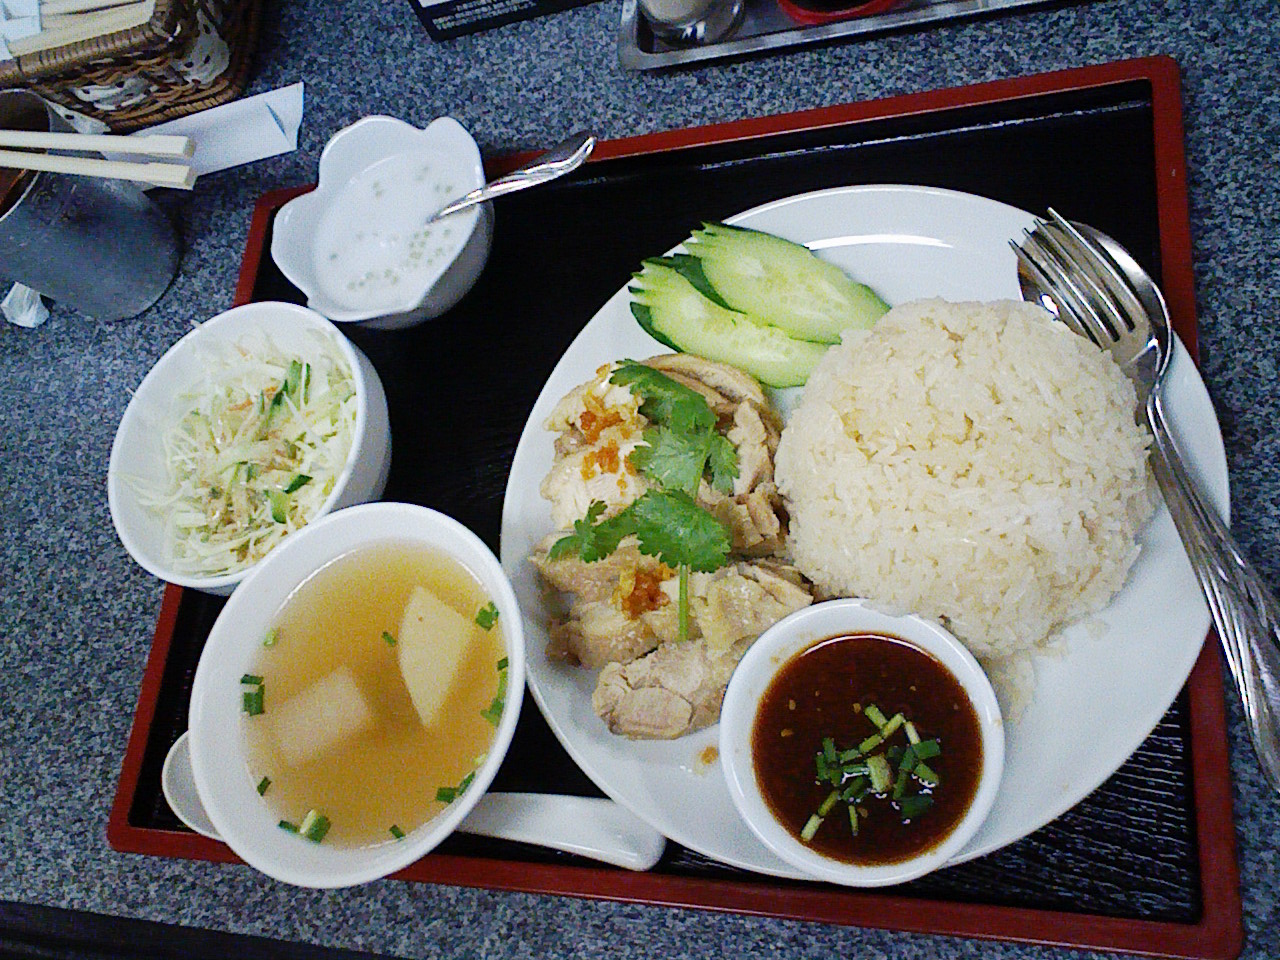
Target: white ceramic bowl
x,y
218,749
355,245
138,454
774,649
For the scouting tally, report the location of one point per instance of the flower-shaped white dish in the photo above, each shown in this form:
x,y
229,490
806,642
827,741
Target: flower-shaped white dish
x,y
359,246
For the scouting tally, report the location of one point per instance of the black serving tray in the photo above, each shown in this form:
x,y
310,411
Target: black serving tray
x,y
1145,862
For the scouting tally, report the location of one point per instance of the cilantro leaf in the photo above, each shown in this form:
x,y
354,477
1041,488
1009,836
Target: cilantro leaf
x,y
673,528
684,440
723,460
676,461
669,525
665,401
590,541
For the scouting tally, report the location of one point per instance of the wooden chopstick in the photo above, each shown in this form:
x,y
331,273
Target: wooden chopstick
x,y
179,176
154,145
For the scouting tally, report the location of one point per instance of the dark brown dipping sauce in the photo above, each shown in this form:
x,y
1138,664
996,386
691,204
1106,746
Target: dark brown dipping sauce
x,y
820,693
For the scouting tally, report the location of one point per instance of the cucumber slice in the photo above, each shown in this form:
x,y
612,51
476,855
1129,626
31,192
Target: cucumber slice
x,y
783,283
670,308
691,269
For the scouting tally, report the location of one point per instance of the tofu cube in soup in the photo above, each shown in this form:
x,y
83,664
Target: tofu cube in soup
x,y
432,645
319,717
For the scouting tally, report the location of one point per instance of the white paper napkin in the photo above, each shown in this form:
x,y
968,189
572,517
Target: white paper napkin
x,y
241,131
24,306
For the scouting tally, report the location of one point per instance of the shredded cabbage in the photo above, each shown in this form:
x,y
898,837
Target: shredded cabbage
x,y
257,453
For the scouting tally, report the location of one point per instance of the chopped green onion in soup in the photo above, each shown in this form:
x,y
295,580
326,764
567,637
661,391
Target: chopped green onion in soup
x,y
257,452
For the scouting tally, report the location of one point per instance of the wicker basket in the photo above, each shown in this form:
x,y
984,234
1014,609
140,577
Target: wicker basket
x,y
191,55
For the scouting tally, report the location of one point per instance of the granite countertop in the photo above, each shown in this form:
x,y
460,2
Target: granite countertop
x,y
76,616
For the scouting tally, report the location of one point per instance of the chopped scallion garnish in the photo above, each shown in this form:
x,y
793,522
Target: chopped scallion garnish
x,y
446,794
869,744
912,735
904,772
810,828
487,616
892,726
251,679
855,790
397,832
270,639
927,749
252,702
914,805
877,767
391,640
314,826
924,773
881,775
493,712
828,803
263,784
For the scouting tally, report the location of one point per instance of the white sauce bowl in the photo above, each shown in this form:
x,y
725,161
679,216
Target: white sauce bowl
x,y
770,653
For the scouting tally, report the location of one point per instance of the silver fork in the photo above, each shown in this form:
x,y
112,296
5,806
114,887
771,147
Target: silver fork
x,y
1097,289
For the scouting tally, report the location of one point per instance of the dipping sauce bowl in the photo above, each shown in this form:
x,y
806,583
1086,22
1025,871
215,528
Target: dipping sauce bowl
x,y
843,714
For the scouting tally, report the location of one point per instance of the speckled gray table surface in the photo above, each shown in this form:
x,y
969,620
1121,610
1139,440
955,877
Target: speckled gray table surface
x,y
76,616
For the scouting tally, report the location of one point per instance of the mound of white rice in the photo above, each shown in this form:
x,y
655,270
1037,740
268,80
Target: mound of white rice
x,y
976,463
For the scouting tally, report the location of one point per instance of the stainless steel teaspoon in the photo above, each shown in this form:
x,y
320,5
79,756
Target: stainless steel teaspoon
x,y
556,162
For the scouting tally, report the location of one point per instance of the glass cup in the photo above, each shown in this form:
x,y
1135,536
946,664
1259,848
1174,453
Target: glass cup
x,y
692,22
100,246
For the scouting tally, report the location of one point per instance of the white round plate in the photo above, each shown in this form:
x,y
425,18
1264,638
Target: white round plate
x,y
1095,699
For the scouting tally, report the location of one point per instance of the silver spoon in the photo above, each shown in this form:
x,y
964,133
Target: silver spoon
x,y
563,158
1095,286
587,826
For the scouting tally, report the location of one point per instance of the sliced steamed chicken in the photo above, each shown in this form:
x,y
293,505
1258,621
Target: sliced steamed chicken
x,y
599,425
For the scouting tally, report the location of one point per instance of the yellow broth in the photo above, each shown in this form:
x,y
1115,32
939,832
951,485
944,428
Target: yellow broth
x,y
824,692
388,773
